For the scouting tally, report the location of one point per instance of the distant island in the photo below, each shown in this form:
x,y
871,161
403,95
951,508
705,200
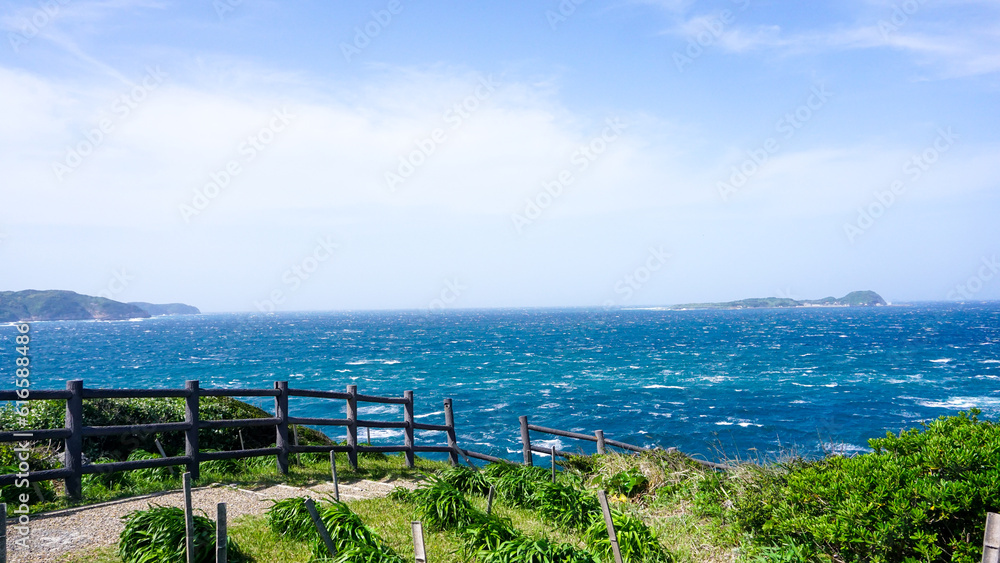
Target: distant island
x,y
852,299
58,305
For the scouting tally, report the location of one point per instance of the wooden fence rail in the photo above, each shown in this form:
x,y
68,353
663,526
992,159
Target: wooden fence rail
x,y
597,436
75,431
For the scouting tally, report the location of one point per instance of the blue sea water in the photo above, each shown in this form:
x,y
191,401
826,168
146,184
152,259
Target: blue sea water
x,y
747,383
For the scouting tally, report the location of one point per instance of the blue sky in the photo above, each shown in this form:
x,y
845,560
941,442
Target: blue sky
x,y
255,155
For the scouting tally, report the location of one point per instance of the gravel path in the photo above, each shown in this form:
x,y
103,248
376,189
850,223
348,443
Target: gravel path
x,y
55,534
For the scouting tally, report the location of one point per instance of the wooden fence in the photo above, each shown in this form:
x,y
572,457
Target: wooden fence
x,y
598,437
76,430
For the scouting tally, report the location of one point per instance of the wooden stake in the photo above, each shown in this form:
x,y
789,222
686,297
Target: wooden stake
x,y
221,539
525,440
295,437
333,472
611,525
188,519
553,464
159,447
320,526
242,445
991,539
489,500
419,553
600,441
3,533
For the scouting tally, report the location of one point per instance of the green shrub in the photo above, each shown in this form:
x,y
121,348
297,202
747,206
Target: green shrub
x,y
630,482
636,540
346,530
565,505
515,484
290,518
366,554
524,549
39,458
443,507
157,474
922,495
487,535
466,479
158,535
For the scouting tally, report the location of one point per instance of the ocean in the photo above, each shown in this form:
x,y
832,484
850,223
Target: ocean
x,y
748,384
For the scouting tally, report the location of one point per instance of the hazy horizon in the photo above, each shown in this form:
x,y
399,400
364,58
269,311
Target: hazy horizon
x,y
242,155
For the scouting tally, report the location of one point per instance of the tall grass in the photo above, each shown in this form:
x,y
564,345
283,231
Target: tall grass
x,y
158,535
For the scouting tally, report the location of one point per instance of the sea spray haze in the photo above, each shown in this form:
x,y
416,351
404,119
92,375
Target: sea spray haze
x,y
735,383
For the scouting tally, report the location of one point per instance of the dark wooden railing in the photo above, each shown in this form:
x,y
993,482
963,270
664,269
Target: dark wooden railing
x,y
598,436
75,430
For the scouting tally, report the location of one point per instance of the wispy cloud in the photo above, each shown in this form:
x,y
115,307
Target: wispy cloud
x,y
949,46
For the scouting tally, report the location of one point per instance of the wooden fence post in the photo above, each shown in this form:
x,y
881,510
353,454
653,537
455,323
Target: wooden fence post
x,y
600,441
489,500
333,472
221,534
449,421
3,533
352,425
991,539
408,431
159,448
320,527
553,464
74,443
188,520
281,413
419,553
612,536
526,440
191,434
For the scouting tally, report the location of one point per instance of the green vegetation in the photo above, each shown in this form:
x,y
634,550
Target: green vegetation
x,y
919,496
158,535
55,305
852,299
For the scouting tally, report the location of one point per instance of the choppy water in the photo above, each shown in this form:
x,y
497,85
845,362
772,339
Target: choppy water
x,y
709,382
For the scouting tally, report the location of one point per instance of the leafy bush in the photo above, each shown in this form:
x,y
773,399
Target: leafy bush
x,y
290,518
158,535
158,474
367,554
347,532
636,540
515,484
466,479
487,535
565,505
39,458
524,549
443,507
401,494
629,482
921,495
